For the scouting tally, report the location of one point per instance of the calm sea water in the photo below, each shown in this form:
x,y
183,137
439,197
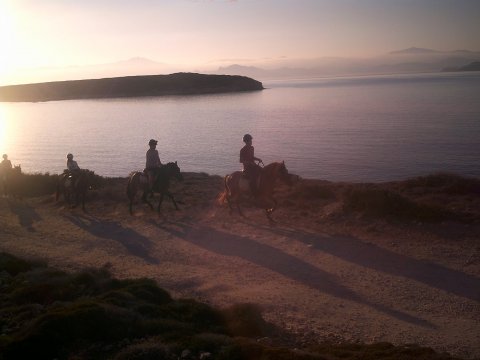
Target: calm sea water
x,y
344,129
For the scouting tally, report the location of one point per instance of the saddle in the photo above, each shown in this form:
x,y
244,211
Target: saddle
x,y
245,180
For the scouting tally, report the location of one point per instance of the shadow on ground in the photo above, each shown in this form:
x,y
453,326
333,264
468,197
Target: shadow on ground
x,y
26,214
135,243
276,260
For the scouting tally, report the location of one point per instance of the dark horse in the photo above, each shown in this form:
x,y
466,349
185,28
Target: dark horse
x,y
74,185
138,180
237,185
11,181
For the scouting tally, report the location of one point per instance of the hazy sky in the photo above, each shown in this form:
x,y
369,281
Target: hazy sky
x,y
196,33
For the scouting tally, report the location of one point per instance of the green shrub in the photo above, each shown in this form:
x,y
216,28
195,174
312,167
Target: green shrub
x,y
13,265
307,191
377,202
447,183
245,320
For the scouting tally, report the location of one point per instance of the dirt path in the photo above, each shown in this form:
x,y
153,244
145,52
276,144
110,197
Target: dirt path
x,y
320,280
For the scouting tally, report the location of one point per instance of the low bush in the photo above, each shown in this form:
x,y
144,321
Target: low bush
x,y
47,314
447,183
377,202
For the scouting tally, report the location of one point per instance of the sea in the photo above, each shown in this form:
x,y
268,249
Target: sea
x,y
355,129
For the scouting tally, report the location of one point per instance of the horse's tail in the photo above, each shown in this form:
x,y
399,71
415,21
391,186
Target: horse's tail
x,y
132,185
225,193
129,189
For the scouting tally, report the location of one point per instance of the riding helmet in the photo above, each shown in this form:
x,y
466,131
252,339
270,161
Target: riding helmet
x,y
247,137
4,156
69,156
152,142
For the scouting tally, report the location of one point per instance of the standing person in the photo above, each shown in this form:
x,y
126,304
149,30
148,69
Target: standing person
x,y
5,169
247,157
153,163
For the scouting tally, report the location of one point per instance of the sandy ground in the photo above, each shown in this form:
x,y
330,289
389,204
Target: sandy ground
x,y
320,277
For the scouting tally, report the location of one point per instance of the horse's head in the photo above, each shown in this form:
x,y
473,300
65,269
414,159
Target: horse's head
x,y
89,179
285,176
17,169
174,171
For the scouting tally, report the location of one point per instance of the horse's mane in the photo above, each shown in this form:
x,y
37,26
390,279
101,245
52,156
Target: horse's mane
x,y
273,166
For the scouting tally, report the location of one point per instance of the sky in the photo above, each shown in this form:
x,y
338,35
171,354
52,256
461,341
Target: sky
x,y
195,34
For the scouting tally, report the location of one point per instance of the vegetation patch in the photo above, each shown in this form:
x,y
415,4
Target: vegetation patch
x,y
47,314
371,200
446,183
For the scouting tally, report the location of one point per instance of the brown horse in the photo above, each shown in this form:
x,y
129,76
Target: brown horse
x,y
138,181
237,185
75,185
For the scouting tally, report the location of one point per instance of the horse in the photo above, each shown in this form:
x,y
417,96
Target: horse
x,y
11,181
138,180
237,185
75,184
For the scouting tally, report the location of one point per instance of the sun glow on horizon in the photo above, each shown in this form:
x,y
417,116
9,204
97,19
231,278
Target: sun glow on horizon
x,y
52,40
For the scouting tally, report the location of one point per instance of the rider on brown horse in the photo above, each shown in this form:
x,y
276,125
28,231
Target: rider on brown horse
x,y
251,169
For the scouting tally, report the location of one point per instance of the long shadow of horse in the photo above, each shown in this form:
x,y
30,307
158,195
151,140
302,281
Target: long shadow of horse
x,y
135,243
26,214
276,260
371,256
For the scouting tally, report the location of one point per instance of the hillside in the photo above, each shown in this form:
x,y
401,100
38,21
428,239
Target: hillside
x,y
129,86
394,262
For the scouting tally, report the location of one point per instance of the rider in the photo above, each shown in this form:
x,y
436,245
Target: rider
x,y
5,164
153,163
71,170
247,158
5,168
72,165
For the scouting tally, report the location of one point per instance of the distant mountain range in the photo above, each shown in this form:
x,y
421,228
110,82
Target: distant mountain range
x,y
411,60
420,51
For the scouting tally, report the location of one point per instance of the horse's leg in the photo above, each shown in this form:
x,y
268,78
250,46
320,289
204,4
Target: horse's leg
x,y
170,195
84,194
131,197
144,199
76,200
160,201
229,202
237,202
269,211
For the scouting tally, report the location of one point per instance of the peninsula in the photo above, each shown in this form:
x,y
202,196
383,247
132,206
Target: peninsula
x,y
129,86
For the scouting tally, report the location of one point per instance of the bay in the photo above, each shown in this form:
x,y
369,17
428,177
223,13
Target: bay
x,y
373,128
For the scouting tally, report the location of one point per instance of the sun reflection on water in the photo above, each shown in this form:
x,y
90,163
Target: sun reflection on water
x,y
3,129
